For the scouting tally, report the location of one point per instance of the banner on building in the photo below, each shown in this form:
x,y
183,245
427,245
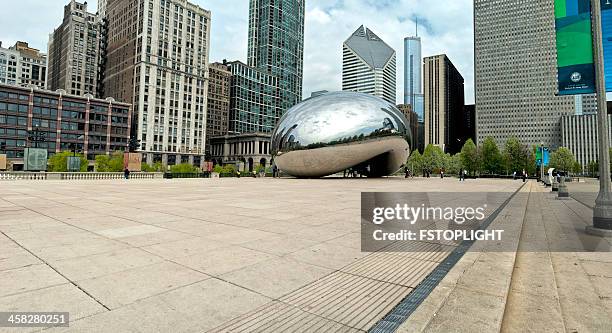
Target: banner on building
x,y
3,162
576,71
132,161
606,30
35,159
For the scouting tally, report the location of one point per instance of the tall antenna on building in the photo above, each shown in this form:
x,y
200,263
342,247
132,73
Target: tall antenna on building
x,y
416,24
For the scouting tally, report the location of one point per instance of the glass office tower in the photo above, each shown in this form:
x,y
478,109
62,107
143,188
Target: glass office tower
x,y
413,92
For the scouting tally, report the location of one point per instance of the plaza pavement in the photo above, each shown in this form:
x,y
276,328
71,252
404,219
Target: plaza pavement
x,y
195,255
274,255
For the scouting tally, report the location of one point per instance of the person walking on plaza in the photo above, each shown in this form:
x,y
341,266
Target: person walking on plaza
x,y
524,176
126,173
274,171
514,175
405,172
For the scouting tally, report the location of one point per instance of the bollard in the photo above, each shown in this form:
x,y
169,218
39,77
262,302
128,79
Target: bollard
x,y
563,192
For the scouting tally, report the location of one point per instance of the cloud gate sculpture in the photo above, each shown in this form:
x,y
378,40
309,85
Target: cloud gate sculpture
x,y
336,131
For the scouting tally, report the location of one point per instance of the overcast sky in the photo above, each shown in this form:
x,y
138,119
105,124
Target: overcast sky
x,y
444,26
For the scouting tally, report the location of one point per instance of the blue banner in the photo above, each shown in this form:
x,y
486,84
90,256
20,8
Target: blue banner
x,y
606,30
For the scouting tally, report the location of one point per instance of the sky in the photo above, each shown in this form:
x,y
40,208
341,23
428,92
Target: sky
x,y
444,27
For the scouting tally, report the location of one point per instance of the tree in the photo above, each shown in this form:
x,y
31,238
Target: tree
x,y
184,168
577,168
593,168
433,158
156,167
112,163
59,162
490,157
562,159
516,156
452,164
415,161
469,157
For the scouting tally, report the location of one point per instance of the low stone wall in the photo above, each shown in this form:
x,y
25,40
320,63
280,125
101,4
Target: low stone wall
x,y
77,175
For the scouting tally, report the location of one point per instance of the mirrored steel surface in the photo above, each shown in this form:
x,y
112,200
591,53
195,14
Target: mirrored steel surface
x,y
330,133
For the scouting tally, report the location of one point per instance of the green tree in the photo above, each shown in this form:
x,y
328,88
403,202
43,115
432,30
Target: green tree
x,y
577,168
490,157
59,162
593,168
184,168
433,158
562,159
156,167
469,157
112,163
452,163
415,162
516,156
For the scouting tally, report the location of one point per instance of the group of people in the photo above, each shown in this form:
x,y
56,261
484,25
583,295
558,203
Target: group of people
x,y
524,175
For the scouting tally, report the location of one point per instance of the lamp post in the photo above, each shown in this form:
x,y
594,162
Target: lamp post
x,y
542,163
602,212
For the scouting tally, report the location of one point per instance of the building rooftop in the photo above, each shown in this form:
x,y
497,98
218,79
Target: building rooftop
x,y
373,50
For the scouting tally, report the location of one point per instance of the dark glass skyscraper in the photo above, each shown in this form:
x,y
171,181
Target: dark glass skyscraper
x,y
276,44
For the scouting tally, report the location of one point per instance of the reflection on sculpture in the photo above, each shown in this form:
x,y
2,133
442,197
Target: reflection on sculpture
x,y
336,131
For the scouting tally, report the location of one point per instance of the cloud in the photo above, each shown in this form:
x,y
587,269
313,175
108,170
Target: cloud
x,y
444,26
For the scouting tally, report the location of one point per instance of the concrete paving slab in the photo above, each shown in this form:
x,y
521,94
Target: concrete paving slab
x,y
61,298
20,280
140,282
284,276
224,260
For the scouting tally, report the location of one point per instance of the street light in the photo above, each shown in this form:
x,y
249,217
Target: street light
x,y
602,212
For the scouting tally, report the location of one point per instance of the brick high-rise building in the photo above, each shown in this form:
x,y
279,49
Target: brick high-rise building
x,y
217,120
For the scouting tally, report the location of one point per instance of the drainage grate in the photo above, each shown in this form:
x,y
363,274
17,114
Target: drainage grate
x,y
408,305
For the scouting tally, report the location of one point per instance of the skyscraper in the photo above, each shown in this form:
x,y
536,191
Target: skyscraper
x,y
157,59
276,44
516,73
74,52
413,61
444,103
368,65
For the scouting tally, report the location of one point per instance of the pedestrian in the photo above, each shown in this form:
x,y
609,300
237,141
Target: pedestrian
x,y
524,176
274,171
442,174
405,172
460,175
514,175
126,173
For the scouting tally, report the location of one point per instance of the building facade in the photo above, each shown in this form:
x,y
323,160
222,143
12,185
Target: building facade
x,y
23,66
255,100
444,102
413,123
93,126
74,52
276,44
579,134
217,120
157,59
516,73
413,62
245,151
369,65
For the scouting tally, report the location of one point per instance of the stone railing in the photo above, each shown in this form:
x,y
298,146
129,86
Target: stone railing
x,y
77,175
